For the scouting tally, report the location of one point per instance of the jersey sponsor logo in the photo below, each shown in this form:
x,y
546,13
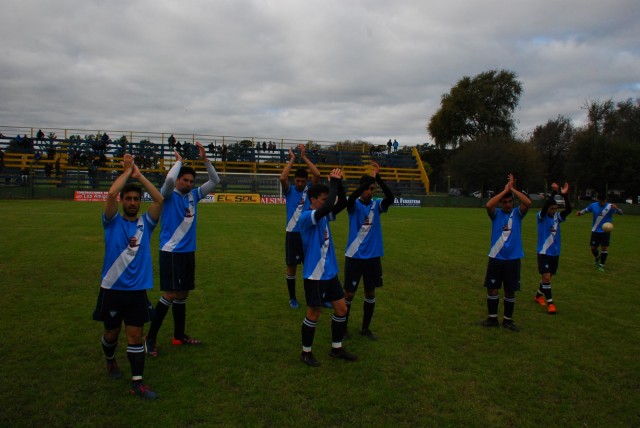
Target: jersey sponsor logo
x,y
251,198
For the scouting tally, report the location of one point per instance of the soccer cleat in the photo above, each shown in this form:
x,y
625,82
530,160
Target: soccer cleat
x,y
367,333
342,354
143,391
186,340
113,370
150,348
540,299
600,267
308,359
294,304
490,322
551,309
509,325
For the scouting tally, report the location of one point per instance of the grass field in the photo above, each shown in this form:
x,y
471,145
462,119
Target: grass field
x,y
432,366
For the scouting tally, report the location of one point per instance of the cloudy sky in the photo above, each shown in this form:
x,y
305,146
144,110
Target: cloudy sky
x,y
328,70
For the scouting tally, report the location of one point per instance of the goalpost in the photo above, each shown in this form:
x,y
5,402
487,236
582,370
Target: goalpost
x,y
237,182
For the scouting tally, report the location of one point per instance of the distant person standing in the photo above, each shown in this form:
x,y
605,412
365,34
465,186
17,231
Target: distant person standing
x,y
297,200
505,253
549,220
321,283
602,213
127,272
178,246
364,244
389,145
395,145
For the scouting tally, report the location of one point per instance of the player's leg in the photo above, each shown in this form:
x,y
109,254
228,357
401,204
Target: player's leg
x,y
604,246
184,269
313,296
542,270
335,295
492,282
371,280
167,280
352,275
109,345
108,311
595,243
511,285
135,316
293,256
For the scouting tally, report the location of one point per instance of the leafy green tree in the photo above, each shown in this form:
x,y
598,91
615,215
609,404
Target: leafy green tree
x,y
476,107
553,141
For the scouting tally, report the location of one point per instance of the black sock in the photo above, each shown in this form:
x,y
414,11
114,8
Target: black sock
x,y
540,292
337,328
109,349
367,309
603,257
546,290
346,322
509,305
135,353
179,317
291,286
596,254
492,305
308,331
162,307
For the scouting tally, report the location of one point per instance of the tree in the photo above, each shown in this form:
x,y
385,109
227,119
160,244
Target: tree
x,y
552,141
476,107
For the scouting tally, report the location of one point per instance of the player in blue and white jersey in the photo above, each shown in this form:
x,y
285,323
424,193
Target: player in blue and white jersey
x,y
505,253
320,271
296,202
178,246
364,244
127,272
549,241
602,213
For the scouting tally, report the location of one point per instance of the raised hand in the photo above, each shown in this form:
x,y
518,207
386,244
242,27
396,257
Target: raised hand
x,y
178,156
565,189
303,150
376,168
201,151
336,173
127,161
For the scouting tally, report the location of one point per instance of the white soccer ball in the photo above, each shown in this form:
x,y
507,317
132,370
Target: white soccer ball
x,y
607,227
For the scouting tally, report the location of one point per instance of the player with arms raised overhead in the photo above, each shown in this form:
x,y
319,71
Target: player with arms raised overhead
x,y
364,245
127,272
505,253
178,246
602,213
320,270
549,220
296,202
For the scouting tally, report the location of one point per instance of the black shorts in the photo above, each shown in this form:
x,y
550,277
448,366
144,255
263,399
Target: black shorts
x,y
317,292
177,271
600,239
501,272
115,306
294,254
370,270
547,264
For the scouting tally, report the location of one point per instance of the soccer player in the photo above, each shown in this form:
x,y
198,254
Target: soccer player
x,y
296,202
178,246
505,253
364,244
127,272
549,220
320,269
602,213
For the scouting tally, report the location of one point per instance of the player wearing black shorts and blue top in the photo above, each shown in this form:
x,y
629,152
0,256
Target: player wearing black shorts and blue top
x,y
320,270
178,246
364,244
505,253
296,202
549,241
602,213
127,272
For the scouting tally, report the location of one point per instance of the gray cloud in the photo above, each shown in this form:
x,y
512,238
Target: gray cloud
x,y
324,70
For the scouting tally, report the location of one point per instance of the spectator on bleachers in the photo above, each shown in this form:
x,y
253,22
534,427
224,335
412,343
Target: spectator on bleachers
x,y
172,142
389,144
395,145
40,136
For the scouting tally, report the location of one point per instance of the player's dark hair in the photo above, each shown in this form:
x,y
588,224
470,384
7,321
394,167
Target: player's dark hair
x,y
366,179
187,170
131,187
507,196
316,190
602,196
302,173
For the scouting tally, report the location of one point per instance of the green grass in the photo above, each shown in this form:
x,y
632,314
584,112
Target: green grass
x,y
433,365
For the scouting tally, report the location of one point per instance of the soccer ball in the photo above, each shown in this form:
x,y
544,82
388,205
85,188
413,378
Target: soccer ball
x,y
607,227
